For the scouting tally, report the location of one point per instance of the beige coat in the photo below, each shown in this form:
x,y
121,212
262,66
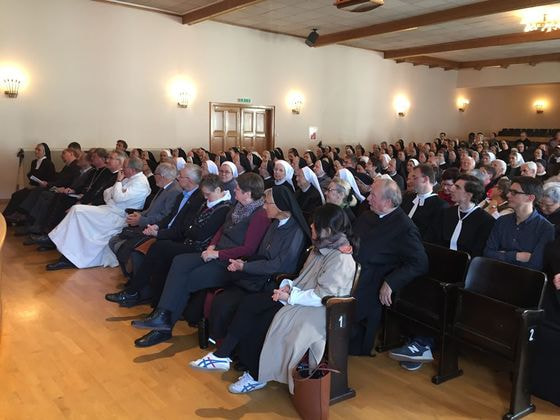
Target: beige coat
x,y
296,328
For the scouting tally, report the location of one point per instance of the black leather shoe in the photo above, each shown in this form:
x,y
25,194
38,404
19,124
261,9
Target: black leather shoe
x,y
60,265
29,241
126,299
44,248
152,338
42,239
159,320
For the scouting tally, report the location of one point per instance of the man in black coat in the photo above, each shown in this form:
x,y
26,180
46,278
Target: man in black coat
x,y
424,207
391,255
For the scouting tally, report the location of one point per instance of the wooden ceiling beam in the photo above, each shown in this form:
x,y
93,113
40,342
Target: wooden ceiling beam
x,y
504,62
482,8
215,9
430,62
467,44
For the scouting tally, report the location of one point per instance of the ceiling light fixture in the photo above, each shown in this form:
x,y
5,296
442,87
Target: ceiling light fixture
x,y
361,5
546,23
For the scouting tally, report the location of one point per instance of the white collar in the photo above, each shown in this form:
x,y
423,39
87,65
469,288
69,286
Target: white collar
x,y
282,222
225,197
381,216
165,187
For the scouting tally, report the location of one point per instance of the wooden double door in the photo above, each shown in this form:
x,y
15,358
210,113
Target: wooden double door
x,y
244,126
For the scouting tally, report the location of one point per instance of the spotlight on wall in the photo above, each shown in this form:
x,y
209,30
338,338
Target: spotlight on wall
x,y
183,99
539,107
295,102
312,37
401,105
462,104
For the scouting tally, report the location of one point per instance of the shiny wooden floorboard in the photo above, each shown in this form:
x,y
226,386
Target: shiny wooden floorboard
x,y
67,353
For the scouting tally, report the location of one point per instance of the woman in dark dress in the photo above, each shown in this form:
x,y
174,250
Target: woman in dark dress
x,y
42,169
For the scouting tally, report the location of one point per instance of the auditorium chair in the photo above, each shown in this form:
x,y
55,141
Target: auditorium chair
x,y
340,311
498,312
426,304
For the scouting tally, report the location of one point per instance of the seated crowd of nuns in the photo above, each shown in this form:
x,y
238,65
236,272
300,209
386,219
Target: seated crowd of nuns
x,y
198,221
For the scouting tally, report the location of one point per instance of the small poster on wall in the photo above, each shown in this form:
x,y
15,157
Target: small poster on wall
x,y
313,133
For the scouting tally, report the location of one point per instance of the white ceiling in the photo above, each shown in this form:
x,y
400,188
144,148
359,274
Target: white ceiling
x,y
298,17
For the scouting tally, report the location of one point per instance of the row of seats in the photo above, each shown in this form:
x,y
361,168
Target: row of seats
x,y
484,304
531,132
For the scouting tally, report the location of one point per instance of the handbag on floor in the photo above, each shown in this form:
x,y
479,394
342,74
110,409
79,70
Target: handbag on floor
x,y
312,390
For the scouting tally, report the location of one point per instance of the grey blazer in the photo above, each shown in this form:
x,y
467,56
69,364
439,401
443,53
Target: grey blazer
x,y
161,205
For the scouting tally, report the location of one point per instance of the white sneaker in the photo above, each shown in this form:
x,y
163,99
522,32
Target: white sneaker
x,y
245,384
211,362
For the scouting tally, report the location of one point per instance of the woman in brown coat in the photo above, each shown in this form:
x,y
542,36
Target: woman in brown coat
x,y
328,271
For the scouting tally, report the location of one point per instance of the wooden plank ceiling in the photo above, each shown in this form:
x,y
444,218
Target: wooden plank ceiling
x,y
448,34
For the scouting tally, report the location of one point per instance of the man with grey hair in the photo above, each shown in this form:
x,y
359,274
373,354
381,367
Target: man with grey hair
x,y
550,204
391,254
529,169
162,204
500,167
83,235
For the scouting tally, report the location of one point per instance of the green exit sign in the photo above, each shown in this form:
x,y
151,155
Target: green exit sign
x,y
244,100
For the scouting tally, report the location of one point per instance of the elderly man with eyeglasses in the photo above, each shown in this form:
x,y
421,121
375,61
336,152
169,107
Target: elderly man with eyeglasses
x,y
520,238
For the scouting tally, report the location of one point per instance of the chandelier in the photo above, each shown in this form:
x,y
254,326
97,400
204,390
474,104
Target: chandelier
x,y
546,24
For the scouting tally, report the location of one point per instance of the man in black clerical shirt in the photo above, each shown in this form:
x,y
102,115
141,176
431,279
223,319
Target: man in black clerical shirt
x,y
424,207
391,255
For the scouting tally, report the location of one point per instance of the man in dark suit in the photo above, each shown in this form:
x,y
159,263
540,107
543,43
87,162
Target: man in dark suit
x,y
391,254
170,227
424,207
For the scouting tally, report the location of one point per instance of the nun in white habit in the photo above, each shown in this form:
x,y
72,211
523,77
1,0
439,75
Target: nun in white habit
x,y
283,174
83,235
347,176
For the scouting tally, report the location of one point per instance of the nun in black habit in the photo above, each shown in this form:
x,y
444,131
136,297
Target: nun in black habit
x,y
279,252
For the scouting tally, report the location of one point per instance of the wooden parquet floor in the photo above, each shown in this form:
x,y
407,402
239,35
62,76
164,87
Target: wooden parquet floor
x,y
66,353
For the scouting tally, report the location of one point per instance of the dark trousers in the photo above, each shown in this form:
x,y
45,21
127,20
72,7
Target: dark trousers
x,y
57,212
224,306
368,315
188,274
150,276
15,201
248,329
39,209
33,198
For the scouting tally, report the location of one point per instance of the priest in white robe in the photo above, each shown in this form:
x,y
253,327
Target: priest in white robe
x,y
83,236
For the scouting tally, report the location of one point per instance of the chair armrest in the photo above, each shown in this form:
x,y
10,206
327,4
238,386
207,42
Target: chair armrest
x,y
329,301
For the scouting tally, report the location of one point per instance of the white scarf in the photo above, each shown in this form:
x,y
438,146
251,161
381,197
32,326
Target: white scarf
x,y
289,173
459,226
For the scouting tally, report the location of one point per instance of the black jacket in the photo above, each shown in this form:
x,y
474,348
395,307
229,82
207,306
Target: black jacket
x,y
390,250
426,217
102,180
66,176
185,217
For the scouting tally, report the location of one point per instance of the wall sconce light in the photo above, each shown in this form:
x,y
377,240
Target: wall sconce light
x,y
295,102
11,87
183,91
539,107
183,99
401,105
462,104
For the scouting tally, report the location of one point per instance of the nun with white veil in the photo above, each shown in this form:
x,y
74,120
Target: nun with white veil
x,y
309,195
347,176
209,167
283,174
228,175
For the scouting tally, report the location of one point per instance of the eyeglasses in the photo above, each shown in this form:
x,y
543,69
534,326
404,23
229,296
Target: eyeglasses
x,y
517,192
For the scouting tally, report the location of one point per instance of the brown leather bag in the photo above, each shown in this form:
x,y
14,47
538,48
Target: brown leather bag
x,y
312,392
144,247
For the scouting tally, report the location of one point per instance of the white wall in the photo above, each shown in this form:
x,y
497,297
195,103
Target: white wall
x,y
495,108
520,74
97,72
